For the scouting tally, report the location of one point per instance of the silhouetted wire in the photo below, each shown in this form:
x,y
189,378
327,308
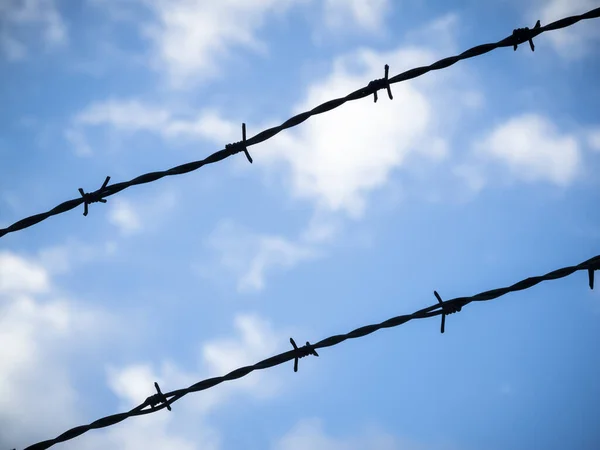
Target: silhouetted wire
x,y
159,400
519,36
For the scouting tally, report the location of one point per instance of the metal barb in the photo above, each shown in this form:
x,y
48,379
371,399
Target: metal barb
x,y
302,352
93,197
381,83
521,35
237,147
160,396
446,309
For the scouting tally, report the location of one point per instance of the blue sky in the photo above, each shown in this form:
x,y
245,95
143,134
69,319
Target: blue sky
x,y
472,178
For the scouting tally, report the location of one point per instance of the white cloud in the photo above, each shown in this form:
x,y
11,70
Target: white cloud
x,y
440,33
322,228
151,432
191,38
133,218
250,256
188,425
327,164
30,333
257,340
13,49
20,275
335,160
593,139
338,158
40,15
135,116
309,434
273,250
208,125
574,41
77,139
62,258
124,115
37,338
133,384
254,340
533,149
123,215
365,14
472,174
38,396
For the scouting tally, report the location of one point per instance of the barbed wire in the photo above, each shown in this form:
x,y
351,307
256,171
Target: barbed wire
x,y
519,36
162,400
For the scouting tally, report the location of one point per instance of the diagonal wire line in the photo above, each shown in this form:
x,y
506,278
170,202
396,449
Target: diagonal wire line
x,y
160,401
519,36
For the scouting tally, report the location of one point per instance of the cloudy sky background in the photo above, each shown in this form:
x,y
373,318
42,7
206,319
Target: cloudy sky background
x,y
472,178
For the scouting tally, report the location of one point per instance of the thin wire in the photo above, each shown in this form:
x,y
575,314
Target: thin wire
x,y
440,308
519,36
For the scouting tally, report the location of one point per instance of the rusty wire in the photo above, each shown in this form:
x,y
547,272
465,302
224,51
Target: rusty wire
x,y
160,401
519,36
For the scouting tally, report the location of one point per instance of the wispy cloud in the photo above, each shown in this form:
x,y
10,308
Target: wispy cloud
x,y
368,15
124,115
123,215
191,39
249,256
256,339
32,15
533,149
62,258
472,174
133,218
593,139
80,144
136,116
573,42
13,49
310,433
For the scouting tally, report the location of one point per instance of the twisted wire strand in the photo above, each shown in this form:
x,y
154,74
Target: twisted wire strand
x,y
157,402
519,36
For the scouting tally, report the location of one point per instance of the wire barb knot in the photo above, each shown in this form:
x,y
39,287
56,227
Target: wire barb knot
x,y
93,197
521,35
158,398
446,309
301,352
381,83
240,146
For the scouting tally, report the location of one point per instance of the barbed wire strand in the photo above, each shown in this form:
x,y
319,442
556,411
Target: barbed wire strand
x,y
519,36
160,401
